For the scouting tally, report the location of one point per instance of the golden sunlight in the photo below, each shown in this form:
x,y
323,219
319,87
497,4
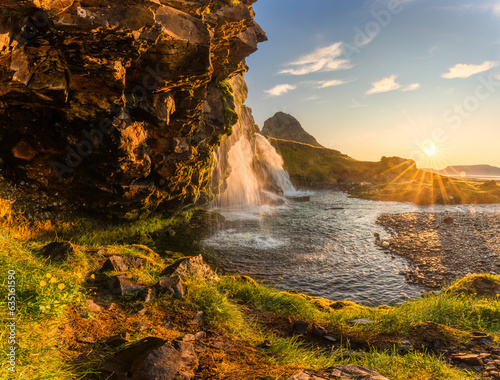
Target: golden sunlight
x,y
430,150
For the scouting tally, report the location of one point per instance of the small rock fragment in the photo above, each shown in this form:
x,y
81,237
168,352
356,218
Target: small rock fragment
x,y
199,317
173,285
267,343
93,306
300,327
58,251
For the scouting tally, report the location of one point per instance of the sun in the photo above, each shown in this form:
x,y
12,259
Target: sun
x,y
430,150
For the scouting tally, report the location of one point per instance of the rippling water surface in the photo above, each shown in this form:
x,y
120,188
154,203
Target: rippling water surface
x,y
325,247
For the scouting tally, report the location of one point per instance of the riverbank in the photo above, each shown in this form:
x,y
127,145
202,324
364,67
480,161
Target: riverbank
x,y
442,247
72,324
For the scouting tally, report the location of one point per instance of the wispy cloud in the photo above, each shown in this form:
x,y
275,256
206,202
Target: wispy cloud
x,y
473,7
281,89
331,83
411,87
314,97
384,85
323,59
356,104
464,71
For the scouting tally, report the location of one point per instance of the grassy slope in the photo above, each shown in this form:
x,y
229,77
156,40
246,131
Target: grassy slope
x,y
391,179
237,310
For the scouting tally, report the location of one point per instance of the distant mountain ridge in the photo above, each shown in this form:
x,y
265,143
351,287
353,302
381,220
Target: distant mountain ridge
x,y
390,179
468,170
285,127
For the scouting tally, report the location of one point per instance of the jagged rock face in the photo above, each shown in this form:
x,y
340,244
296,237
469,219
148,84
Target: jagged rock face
x,y
118,105
285,127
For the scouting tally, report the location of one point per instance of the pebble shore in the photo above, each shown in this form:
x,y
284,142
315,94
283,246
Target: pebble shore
x,y
442,247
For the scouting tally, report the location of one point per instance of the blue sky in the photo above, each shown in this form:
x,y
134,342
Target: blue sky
x,y
384,77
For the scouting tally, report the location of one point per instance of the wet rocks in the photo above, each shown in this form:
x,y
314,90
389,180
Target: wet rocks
x,y
153,359
448,220
58,251
339,372
441,248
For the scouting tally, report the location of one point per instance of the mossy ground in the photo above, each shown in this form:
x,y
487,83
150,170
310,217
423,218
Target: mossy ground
x,y
60,337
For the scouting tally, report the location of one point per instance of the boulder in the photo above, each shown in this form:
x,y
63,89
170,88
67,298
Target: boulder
x,y
122,285
172,285
152,359
58,251
189,267
120,264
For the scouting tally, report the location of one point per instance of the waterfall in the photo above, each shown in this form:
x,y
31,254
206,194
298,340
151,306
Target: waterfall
x,y
248,171
242,186
257,176
271,161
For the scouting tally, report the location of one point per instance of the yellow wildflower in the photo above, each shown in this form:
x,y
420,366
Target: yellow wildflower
x,y
79,275
43,283
48,275
53,279
61,286
92,276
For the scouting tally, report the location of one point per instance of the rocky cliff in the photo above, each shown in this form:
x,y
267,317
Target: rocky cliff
x,y
285,127
117,106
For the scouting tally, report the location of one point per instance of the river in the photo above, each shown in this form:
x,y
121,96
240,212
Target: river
x,y
325,247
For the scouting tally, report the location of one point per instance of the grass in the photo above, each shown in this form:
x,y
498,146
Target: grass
x,y
237,309
225,304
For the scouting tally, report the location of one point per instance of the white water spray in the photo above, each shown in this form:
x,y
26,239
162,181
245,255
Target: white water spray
x,y
273,162
249,173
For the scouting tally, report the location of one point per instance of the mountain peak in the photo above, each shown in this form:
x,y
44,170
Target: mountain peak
x,y
285,127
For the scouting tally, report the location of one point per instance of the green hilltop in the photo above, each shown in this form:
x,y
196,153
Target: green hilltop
x,y
390,179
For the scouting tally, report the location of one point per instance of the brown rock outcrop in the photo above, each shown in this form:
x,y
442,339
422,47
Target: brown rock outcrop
x,y
116,105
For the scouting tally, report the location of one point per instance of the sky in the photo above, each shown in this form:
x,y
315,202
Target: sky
x,y
418,79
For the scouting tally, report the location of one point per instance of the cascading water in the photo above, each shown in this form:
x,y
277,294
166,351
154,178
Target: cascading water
x,y
242,185
271,161
256,173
